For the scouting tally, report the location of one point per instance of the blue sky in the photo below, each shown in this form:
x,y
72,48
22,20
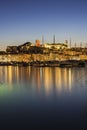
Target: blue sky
x,y
27,20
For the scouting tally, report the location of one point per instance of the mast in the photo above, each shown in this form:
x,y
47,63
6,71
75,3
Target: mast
x,y
70,42
54,39
42,39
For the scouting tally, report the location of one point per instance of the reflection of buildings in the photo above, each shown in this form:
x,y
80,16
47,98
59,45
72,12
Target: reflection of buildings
x,y
38,85
70,79
59,79
47,79
8,76
34,78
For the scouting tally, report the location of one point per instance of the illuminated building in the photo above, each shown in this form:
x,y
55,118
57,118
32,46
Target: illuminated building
x,y
66,42
11,49
37,42
55,46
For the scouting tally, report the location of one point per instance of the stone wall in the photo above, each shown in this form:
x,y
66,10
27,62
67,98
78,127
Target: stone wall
x,y
39,57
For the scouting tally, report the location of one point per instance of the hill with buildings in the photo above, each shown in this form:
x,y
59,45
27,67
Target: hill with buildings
x,y
47,54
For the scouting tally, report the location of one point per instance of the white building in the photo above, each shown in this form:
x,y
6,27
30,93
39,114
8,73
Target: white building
x,y
55,46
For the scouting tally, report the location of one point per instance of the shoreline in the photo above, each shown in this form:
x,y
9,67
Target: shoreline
x,y
67,63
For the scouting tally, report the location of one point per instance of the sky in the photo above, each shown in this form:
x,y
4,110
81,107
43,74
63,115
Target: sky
x,y
28,20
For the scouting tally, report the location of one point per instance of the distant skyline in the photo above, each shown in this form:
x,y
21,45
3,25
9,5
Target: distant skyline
x,y
28,20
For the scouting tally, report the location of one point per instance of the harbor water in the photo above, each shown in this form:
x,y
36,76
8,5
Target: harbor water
x,y
43,97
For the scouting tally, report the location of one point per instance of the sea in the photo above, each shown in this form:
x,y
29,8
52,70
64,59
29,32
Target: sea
x,y
43,97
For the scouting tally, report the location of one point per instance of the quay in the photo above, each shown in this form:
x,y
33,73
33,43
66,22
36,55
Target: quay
x,y
67,63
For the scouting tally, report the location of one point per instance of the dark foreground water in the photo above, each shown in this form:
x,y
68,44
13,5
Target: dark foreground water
x,y
43,98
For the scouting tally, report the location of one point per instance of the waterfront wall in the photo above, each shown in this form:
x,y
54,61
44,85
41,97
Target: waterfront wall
x,y
39,57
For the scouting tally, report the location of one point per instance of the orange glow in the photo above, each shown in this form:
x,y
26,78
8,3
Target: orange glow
x,y
37,42
70,79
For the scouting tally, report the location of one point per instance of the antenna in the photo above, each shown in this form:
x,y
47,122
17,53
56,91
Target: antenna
x,y
70,42
86,45
42,39
54,39
75,45
81,45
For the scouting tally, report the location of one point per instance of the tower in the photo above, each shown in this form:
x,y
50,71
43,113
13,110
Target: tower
x,y
37,42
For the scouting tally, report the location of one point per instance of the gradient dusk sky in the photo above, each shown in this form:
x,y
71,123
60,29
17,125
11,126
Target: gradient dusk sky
x,y
27,20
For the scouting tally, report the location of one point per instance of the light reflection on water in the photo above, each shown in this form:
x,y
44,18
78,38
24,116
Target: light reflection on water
x,y
46,79
34,92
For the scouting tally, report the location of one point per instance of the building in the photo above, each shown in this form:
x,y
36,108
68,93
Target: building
x,y
21,48
37,42
11,49
57,46
24,47
66,42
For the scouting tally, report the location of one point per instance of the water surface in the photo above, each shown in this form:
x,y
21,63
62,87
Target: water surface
x,y
48,97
